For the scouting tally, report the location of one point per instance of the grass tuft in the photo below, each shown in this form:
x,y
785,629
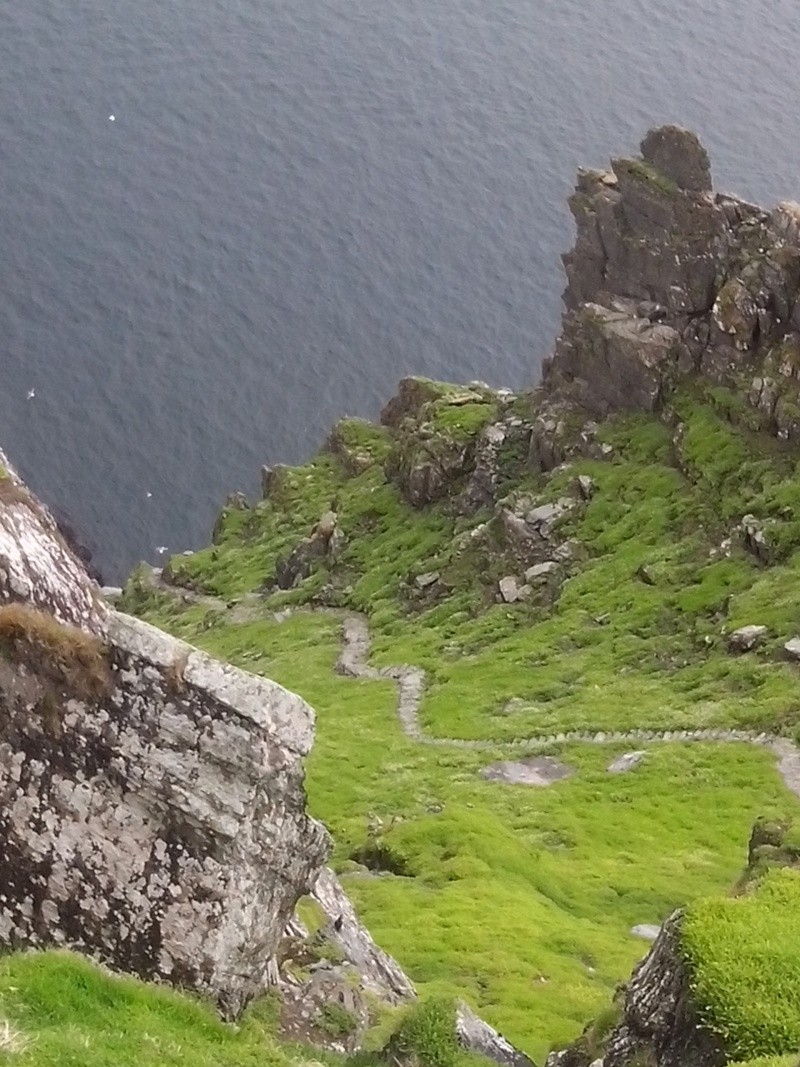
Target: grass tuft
x,y
73,662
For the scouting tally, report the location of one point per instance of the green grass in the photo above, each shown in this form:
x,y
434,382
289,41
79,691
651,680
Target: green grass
x,y
744,955
769,1061
463,421
69,1013
520,899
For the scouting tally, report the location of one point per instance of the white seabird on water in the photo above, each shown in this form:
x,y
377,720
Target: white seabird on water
x,y
112,118
148,494
31,394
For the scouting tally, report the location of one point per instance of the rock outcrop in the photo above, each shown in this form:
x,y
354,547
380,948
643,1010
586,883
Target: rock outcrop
x,y
152,809
658,1022
381,975
666,279
434,429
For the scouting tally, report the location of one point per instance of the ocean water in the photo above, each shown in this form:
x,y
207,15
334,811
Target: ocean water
x,y
298,203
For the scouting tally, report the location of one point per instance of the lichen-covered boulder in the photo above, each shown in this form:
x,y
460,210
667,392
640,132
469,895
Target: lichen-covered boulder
x,y
152,809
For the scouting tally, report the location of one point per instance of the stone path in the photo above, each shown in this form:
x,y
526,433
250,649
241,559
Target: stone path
x,y
353,662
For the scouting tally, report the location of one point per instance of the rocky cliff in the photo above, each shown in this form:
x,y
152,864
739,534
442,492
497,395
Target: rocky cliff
x,y
153,810
668,279
561,578
605,560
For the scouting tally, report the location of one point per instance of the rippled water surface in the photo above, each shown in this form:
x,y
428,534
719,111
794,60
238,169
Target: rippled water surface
x,y
299,202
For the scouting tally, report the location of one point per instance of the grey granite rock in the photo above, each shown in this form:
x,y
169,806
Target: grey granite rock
x,y
647,931
151,798
626,762
746,638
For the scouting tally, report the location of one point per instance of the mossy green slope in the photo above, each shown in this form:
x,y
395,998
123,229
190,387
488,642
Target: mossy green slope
x,y
522,899
58,1009
63,1011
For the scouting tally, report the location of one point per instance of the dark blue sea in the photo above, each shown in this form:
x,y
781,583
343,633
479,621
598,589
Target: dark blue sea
x,y
299,202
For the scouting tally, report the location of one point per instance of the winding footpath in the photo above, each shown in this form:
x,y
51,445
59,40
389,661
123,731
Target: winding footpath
x,y
353,662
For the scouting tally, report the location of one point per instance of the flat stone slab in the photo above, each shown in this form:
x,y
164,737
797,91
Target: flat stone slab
x,y
626,762
533,770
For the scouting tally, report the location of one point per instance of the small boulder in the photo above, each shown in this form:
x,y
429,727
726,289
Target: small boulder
x,y
540,572
237,501
755,538
545,515
645,574
327,525
626,762
792,648
746,638
509,589
586,486
423,581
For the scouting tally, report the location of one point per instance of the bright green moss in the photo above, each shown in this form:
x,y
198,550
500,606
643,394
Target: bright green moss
x,y
744,956
363,437
462,421
769,1061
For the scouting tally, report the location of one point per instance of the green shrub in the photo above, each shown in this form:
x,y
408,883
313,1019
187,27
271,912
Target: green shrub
x,y
427,1035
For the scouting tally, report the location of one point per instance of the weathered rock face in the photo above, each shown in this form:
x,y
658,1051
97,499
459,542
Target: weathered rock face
x,y
152,809
382,976
37,566
667,278
434,430
323,545
614,360
659,1022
